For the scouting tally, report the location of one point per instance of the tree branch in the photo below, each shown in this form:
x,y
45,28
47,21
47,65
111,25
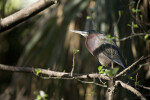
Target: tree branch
x,y
128,87
24,14
144,87
133,35
50,73
132,65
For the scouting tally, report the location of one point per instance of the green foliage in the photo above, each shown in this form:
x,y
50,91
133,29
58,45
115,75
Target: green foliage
x,y
141,16
76,51
129,25
131,78
88,17
104,83
137,83
135,10
12,5
41,96
146,36
135,25
120,13
37,71
100,68
114,71
110,38
111,71
108,72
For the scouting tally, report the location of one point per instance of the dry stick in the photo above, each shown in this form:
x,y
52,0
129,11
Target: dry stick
x,y
144,87
140,66
53,74
137,6
73,63
86,82
128,87
128,68
132,65
135,34
24,14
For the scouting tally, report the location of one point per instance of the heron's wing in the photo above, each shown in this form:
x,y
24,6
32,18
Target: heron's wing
x,y
113,53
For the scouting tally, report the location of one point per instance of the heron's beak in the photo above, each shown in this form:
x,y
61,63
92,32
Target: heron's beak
x,y
83,33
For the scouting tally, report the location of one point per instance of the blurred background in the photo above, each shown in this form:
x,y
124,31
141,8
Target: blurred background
x,y
45,41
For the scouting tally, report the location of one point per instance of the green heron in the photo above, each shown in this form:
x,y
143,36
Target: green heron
x,y
103,48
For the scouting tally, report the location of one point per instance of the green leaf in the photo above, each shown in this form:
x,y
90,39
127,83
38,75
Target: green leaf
x,y
108,36
129,25
101,72
146,36
137,83
120,13
76,51
141,16
100,68
108,72
39,97
114,71
113,38
135,25
131,78
37,71
111,72
88,17
135,10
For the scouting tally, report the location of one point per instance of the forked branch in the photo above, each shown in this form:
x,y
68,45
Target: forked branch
x,y
130,88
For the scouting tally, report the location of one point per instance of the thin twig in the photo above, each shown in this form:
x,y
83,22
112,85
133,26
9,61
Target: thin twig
x,y
128,68
140,66
144,87
92,83
131,36
73,63
132,65
137,6
130,88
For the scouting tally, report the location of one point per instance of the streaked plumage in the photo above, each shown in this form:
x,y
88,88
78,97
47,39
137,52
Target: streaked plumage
x,y
104,49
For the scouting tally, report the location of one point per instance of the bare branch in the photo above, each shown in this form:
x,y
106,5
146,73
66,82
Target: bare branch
x,y
102,85
50,73
24,14
131,36
110,89
132,65
144,87
128,68
130,88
